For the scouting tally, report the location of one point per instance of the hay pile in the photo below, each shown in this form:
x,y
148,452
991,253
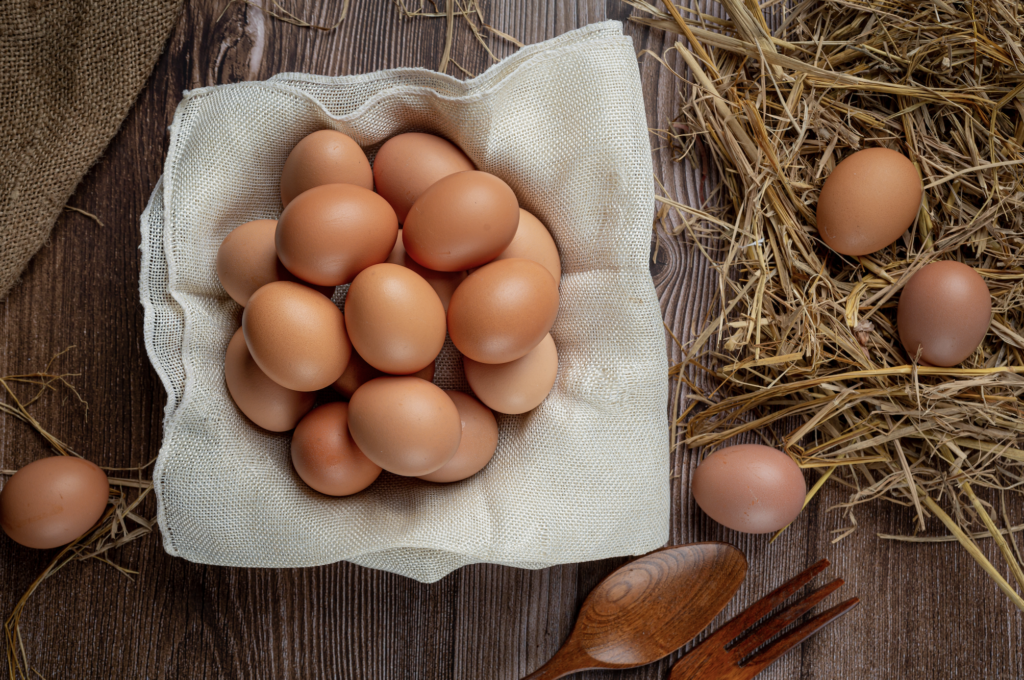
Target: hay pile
x,y
802,344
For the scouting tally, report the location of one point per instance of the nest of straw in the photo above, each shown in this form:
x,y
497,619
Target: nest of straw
x,y
802,346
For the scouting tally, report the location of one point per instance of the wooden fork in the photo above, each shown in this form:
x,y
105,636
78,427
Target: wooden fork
x,y
728,654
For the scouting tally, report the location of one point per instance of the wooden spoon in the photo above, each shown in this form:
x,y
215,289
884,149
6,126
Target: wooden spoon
x,y
649,608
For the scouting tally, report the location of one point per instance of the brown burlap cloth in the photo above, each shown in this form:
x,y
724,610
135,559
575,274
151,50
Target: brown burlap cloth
x,y
69,73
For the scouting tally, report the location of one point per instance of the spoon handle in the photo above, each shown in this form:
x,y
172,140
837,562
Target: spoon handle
x,y
566,661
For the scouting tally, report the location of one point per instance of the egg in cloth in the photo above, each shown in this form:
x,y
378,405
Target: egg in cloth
x,y
406,425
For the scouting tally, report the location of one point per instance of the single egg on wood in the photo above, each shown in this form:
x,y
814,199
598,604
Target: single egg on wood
x,y
868,201
750,488
326,457
945,310
52,501
408,164
503,310
406,425
462,221
518,386
247,260
443,283
296,336
533,242
395,319
330,233
262,400
324,157
359,372
478,444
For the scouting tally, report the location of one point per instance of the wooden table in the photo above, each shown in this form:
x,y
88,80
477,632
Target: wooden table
x,y
928,611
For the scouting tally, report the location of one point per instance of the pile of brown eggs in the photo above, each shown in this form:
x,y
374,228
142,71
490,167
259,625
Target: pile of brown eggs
x,y
468,263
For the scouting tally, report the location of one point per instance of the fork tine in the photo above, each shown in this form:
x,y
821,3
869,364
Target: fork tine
x,y
769,628
796,636
759,609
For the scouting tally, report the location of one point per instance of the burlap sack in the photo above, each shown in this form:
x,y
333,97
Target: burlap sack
x,y
582,477
69,72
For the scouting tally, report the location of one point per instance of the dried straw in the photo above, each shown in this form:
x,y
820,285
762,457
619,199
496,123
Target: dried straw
x,y
111,531
454,9
92,217
287,17
801,347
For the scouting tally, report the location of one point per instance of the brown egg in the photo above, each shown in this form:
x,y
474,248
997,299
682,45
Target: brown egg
x,y
296,336
518,386
406,165
533,242
324,157
443,283
395,319
406,425
359,372
262,400
945,309
325,455
52,501
478,444
462,221
330,233
868,201
750,488
503,310
247,260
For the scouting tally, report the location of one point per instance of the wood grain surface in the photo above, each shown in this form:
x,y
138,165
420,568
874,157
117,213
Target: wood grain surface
x,y
928,611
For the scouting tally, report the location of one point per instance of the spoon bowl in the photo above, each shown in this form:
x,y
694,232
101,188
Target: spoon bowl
x,y
649,608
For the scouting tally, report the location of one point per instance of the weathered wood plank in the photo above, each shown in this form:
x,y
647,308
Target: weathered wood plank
x,y
928,612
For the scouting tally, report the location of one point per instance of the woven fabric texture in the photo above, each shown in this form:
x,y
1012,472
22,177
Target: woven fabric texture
x,y
582,477
69,72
